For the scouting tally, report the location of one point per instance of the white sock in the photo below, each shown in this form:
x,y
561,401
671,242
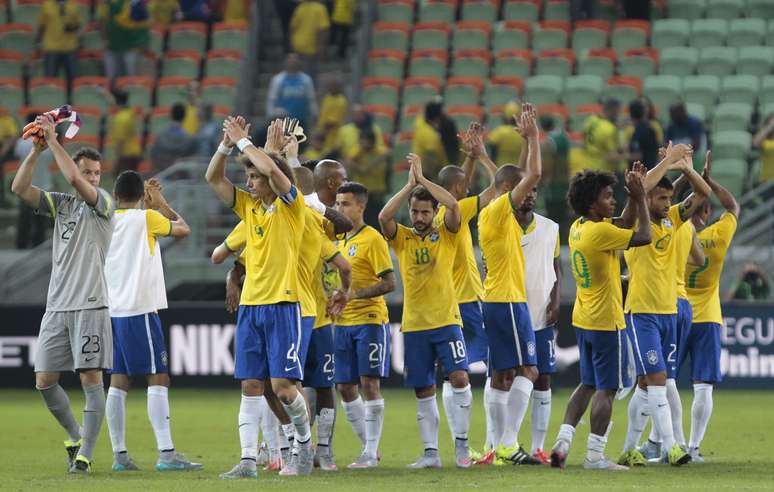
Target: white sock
x,y
158,414
428,418
287,436
325,426
541,414
518,402
300,417
566,434
269,426
462,403
446,399
355,413
488,414
676,409
638,417
653,436
374,421
115,410
249,421
662,418
701,411
498,407
596,447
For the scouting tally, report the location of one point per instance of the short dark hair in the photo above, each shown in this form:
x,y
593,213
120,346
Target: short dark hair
x,y
359,191
585,188
121,97
450,175
508,173
279,161
636,110
433,109
368,134
87,153
177,112
423,194
664,183
129,186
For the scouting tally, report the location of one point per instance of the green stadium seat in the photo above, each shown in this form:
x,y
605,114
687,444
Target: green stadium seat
x,y
471,35
35,65
730,173
730,145
766,110
558,62
157,35
229,36
717,60
83,140
732,117
550,35
763,9
171,90
178,63
638,62
725,9
390,36
678,60
408,117
746,32
10,65
139,90
557,10
686,9
159,119
396,11
599,62
380,91
188,36
625,89
510,35
766,95
384,118
84,8
770,33
12,94
91,120
502,90
755,60
220,62
471,63
26,11
662,90
219,91
3,12
709,32
480,10
543,89
580,90
739,89
589,34
578,117
91,91
697,111
513,63
702,90
430,35
17,37
91,37
419,90
47,92
429,63
462,91
91,63
463,116
628,34
385,63
521,10
556,112
437,10
668,33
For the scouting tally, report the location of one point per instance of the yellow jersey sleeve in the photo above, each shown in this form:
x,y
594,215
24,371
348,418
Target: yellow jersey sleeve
x,y
557,251
609,237
379,257
674,216
400,238
242,202
469,208
237,238
328,250
726,225
158,225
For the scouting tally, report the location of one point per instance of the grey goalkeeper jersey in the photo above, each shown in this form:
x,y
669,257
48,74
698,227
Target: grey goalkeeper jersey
x,y
81,240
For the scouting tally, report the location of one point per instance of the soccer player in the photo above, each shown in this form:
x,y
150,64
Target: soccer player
x,y
136,293
362,336
75,330
597,316
269,330
702,341
431,323
651,306
506,316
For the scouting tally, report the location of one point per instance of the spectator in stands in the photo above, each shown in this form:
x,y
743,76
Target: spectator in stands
x,y
173,142
554,149
236,11
684,128
764,141
164,12
59,23
342,19
192,108
504,141
8,133
196,10
285,9
291,92
124,134
435,139
125,27
349,134
333,110
753,284
367,164
31,227
650,110
643,144
210,132
600,135
316,149
309,33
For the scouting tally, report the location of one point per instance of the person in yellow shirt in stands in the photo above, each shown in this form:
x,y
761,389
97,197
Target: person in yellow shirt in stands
x,y
600,138
164,12
343,18
124,134
191,121
764,140
367,164
59,23
9,131
505,141
309,33
435,139
349,135
333,111
236,11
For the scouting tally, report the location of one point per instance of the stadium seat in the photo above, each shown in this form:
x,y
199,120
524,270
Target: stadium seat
x,y
3,12
599,62
686,9
580,90
628,34
419,90
731,145
223,62
471,63
229,36
746,32
755,60
578,117
139,90
171,90
638,62
429,63
550,35
623,88
380,91
157,35
84,140
395,11
91,120
766,95
558,62
732,117
471,35
35,65
697,111
462,91
187,36
384,117
557,10
219,91
430,35
12,94
510,35
11,64
159,119
589,34
724,9
763,9
730,173
463,116
91,37
668,33
717,60
390,36
513,63
662,90
179,63
702,90
709,32
739,89
91,63
770,33
437,10
543,89
47,92
26,11
385,63
17,37
678,60
91,91
521,10
480,10
556,112
84,8
408,117
502,90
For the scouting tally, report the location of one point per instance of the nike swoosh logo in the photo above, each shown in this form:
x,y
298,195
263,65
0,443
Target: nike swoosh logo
x,y
374,366
459,361
545,402
289,368
89,360
662,406
644,414
242,425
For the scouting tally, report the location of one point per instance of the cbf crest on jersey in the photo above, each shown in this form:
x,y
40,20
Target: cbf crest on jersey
x,y
352,250
652,357
667,223
434,237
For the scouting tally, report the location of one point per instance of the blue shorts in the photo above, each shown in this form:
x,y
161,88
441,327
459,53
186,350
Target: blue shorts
x,y
307,327
702,343
546,353
361,350
509,331
138,345
654,341
603,359
268,342
421,350
319,367
473,331
684,321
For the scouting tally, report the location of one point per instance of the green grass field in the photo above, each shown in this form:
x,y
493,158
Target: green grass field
x,y
738,448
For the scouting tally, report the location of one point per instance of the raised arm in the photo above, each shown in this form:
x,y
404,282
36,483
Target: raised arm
x,y
390,210
533,169
452,217
22,182
642,235
265,165
154,199
216,170
725,198
701,190
696,255
64,162
672,159
478,148
629,214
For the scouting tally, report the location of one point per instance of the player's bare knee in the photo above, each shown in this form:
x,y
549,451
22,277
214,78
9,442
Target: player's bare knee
x,y
425,392
45,380
252,387
502,380
120,381
159,380
543,383
459,379
90,377
529,372
371,388
657,379
348,392
285,390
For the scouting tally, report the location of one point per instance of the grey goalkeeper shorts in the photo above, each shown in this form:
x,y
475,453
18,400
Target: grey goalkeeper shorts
x,y
71,340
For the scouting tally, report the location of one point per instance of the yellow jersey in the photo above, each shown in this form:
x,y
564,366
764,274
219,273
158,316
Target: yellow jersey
x,y
508,143
367,252
272,246
426,267
326,280
309,18
308,259
683,242
343,12
596,267
428,145
124,134
467,279
60,28
767,160
500,238
236,240
703,282
600,139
